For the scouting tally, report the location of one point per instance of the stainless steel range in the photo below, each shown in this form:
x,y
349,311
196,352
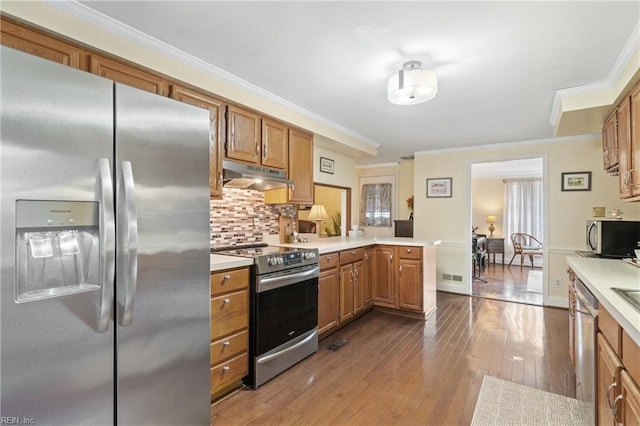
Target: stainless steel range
x,y
283,308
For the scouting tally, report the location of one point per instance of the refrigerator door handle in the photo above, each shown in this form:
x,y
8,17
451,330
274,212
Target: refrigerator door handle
x,y
107,245
127,245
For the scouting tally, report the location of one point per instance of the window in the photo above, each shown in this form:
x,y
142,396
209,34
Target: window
x,y
375,204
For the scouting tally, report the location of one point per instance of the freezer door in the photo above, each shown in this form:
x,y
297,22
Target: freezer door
x,y
56,351
162,168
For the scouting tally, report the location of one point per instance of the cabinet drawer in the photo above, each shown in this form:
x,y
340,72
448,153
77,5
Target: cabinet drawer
x,y
228,347
226,373
349,256
229,313
409,252
231,280
609,327
328,261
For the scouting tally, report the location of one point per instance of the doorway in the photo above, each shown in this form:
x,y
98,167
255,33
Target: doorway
x,y
507,198
337,203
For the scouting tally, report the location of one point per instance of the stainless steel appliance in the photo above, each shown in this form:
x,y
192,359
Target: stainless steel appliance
x,y
249,176
284,309
104,302
586,321
613,238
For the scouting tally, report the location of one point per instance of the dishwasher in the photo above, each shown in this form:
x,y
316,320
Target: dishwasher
x,y
586,330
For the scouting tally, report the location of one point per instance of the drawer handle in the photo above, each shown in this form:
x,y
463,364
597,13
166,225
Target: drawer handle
x,y
615,407
226,344
612,387
408,250
226,301
226,369
226,277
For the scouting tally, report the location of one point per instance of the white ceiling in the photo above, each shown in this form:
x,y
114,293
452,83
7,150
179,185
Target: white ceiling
x,y
499,63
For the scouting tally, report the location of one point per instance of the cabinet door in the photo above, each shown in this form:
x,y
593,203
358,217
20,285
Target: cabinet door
x,y
37,44
384,291
275,144
215,107
608,381
346,293
125,74
630,414
635,141
625,148
360,278
328,299
610,142
369,265
409,283
301,166
243,135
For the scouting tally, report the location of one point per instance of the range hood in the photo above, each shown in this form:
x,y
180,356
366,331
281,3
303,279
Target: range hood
x,y
247,176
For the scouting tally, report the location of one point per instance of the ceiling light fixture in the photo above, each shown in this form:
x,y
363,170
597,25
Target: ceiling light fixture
x,y
412,85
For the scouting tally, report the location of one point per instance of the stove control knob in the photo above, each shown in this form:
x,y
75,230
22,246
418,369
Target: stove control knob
x,y
272,261
309,255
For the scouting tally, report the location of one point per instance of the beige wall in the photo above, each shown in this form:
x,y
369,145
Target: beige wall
x,y
487,199
448,219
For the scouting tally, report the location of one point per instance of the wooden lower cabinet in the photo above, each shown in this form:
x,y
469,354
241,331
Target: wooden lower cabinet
x,y
369,275
229,329
328,293
630,392
398,278
608,380
347,290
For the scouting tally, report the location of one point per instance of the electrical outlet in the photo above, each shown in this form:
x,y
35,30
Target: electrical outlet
x,y
558,283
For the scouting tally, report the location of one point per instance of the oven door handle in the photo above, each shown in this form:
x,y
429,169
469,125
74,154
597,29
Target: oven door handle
x,y
304,341
270,283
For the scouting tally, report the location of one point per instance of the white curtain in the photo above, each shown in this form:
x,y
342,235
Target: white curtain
x,y
523,207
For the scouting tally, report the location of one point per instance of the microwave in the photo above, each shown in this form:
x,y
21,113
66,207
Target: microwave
x,y
613,238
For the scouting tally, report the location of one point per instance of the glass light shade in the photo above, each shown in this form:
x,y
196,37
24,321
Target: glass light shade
x,y
419,85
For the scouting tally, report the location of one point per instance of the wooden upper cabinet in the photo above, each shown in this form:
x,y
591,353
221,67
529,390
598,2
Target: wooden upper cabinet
x,y
635,141
243,135
610,143
301,166
125,74
38,44
625,147
275,144
216,108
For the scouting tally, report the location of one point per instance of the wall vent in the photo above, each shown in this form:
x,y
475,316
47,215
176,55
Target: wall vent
x,y
447,277
457,278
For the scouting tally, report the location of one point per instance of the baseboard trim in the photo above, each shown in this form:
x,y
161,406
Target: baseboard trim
x,y
452,288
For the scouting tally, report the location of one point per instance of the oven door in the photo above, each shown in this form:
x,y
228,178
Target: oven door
x,y
285,307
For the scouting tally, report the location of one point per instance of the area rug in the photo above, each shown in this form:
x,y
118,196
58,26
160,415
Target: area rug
x,y
534,281
506,403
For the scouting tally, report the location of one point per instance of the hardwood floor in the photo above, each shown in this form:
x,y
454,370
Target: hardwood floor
x,y
506,283
401,371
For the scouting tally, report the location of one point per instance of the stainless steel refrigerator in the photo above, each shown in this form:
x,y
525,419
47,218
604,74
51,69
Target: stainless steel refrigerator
x,y
104,281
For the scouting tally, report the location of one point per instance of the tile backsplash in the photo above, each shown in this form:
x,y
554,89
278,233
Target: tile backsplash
x,y
242,217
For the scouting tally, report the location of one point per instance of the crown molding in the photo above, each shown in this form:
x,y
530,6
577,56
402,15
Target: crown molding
x,y
623,60
91,16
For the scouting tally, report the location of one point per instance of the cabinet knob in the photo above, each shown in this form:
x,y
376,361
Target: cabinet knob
x,y
226,301
408,250
226,277
226,344
226,369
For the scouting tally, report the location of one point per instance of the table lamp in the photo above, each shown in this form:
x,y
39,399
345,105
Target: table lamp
x,y
491,220
317,214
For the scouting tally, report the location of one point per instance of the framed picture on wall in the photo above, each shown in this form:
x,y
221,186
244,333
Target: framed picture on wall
x,y
326,165
439,188
576,181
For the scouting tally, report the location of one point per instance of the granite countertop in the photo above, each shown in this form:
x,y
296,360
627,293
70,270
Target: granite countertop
x,y
600,275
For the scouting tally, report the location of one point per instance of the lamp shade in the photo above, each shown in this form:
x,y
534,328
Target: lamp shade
x,y
491,219
412,85
318,213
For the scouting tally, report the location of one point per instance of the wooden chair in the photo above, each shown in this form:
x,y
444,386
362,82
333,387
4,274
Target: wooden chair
x,y
525,245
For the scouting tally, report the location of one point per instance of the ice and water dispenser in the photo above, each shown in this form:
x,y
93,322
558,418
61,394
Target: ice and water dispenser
x,y
57,248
